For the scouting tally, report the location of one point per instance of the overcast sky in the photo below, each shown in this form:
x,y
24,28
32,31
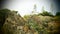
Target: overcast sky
x,y
26,6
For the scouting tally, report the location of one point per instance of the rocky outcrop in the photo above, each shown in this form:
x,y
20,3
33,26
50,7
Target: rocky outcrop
x,y
13,23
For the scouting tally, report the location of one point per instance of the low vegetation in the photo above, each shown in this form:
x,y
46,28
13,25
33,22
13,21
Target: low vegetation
x,y
42,23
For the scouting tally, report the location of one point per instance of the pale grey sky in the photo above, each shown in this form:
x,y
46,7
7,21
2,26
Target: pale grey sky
x,y
25,7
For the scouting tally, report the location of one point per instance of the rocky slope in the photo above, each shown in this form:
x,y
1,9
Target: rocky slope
x,y
32,24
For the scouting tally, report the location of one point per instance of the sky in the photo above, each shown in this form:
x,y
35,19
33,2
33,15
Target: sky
x,y
25,7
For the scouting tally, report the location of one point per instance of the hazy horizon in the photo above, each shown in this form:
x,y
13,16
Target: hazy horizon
x,y
25,7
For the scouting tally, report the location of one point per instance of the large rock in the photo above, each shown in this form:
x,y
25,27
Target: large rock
x,y
13,23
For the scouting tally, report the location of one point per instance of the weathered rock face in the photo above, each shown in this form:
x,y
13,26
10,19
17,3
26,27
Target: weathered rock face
x,y
13,24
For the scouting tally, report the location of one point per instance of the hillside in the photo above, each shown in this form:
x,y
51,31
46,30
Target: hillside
x,y
30,24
